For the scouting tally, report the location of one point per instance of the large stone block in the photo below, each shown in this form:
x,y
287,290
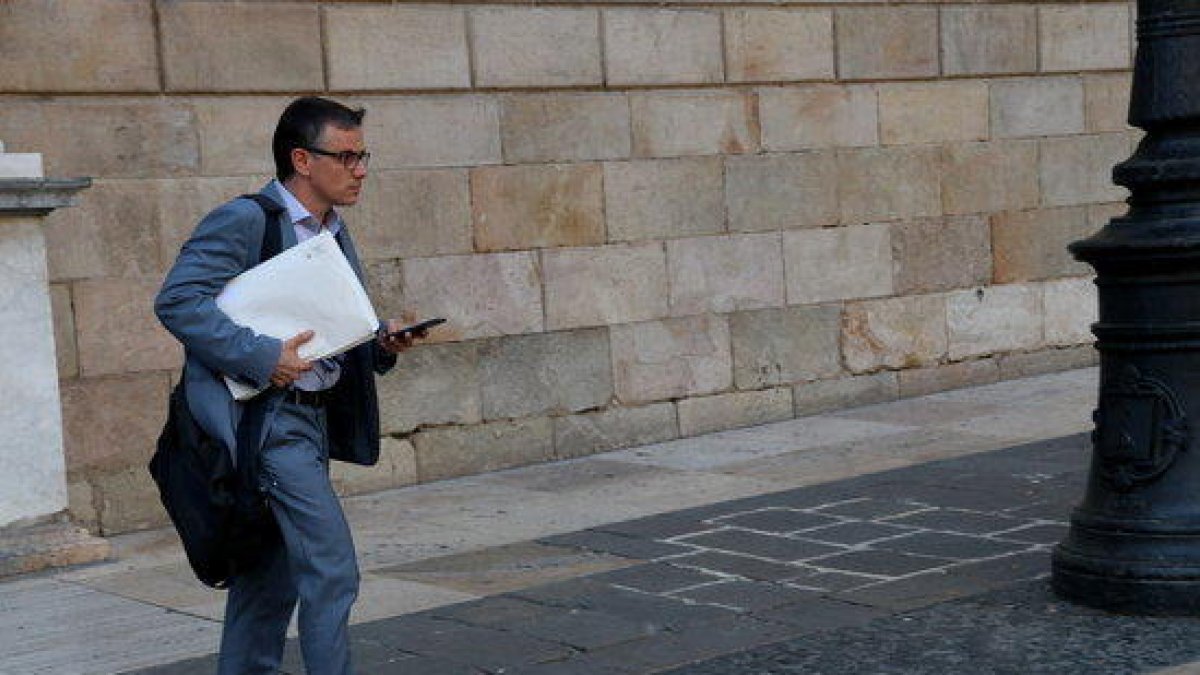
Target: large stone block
x,y
117,329
663,199
889,183
520,207
887,42
725,273
65,352
397,467
235,133
811,398
819,116
535,47
416,131
127,501
1037,106
604,285
479,295
770,45
706,414
396,47
1027,364
555,373
385,288
218,46
112,233
986,177
1106,101
783,346
565,127
668,124
1029,245
614,428
837,263
181,203
667,46
113,422
459,451
922,381
406,214
673,358
56,46
781,192
933,112
994,319
938,254
894,333
1071,308
989,40
432,384
1090,36
1078,169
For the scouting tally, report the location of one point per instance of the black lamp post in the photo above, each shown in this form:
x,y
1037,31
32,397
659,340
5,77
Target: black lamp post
x,y
1134,542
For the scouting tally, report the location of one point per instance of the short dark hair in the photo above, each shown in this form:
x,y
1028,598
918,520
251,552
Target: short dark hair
x,y
301,124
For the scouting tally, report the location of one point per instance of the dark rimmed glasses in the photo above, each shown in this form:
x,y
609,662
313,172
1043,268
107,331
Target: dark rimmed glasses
x,y
349,158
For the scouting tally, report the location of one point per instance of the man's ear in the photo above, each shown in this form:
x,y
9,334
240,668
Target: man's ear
x,y
300,160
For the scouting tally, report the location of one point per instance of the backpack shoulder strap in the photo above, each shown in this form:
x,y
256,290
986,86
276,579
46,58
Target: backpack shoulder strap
x,y
271,243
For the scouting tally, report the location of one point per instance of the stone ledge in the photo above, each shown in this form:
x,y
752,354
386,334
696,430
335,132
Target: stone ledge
x,y
56,543
38,196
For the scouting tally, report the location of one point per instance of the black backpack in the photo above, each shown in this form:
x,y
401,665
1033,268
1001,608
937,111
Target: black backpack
x,y
217,507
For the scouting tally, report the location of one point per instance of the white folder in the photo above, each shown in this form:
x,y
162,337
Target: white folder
x,y
309,286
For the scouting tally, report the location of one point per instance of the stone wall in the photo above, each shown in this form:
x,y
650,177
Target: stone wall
x,y
644,220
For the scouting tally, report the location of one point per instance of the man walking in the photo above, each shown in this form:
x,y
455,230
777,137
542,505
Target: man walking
x,y
311,412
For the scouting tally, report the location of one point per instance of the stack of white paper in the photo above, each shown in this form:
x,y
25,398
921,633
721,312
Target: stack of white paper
x,y
309,286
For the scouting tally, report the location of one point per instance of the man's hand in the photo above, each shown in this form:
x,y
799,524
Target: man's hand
x,y
397,344
291,366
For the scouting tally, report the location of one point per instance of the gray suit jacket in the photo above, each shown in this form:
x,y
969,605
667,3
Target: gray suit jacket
x,y
227,242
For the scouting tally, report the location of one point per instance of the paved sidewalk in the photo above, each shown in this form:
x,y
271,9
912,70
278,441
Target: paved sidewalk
x,y
906,537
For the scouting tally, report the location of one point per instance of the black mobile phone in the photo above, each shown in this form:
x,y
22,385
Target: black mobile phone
x,y
417,329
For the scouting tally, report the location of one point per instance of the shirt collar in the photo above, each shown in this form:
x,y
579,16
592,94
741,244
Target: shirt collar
x,y
302,217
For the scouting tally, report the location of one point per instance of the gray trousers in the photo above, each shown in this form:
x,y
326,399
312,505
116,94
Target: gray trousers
x,y
315,565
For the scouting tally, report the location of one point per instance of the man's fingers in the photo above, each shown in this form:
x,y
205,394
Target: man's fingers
x,y
298,339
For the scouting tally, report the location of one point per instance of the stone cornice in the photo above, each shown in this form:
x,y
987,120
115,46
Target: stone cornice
x,y
38,196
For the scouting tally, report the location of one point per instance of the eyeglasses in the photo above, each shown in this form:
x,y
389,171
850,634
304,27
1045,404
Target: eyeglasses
x,y
349,158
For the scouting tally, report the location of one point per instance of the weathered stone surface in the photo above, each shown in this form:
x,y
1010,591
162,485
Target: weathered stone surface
x,y
447,130
65,353
565,127
559,372
780,192
894,333
665,198
765,45
431,384
128,500
82,504
1078,169
1028,364
210,46
812,398
1071,308
117,329
887,42
385,288
933,112
459,451
888,183
1106,101
994,319
397,467
837,263
112,233
396,47
922,381
938,254
614,428
113,422
706,414
783,346
987,40
667,46
21,165
479,295
673,358
986,177
668,124
235,133
1084,37
725,273
522,47
1037,106
519,207
413,213
605,285
179,205
819,116
1030,245
45,53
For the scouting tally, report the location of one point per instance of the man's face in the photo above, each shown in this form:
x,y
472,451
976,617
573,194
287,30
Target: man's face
x,y
331,179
